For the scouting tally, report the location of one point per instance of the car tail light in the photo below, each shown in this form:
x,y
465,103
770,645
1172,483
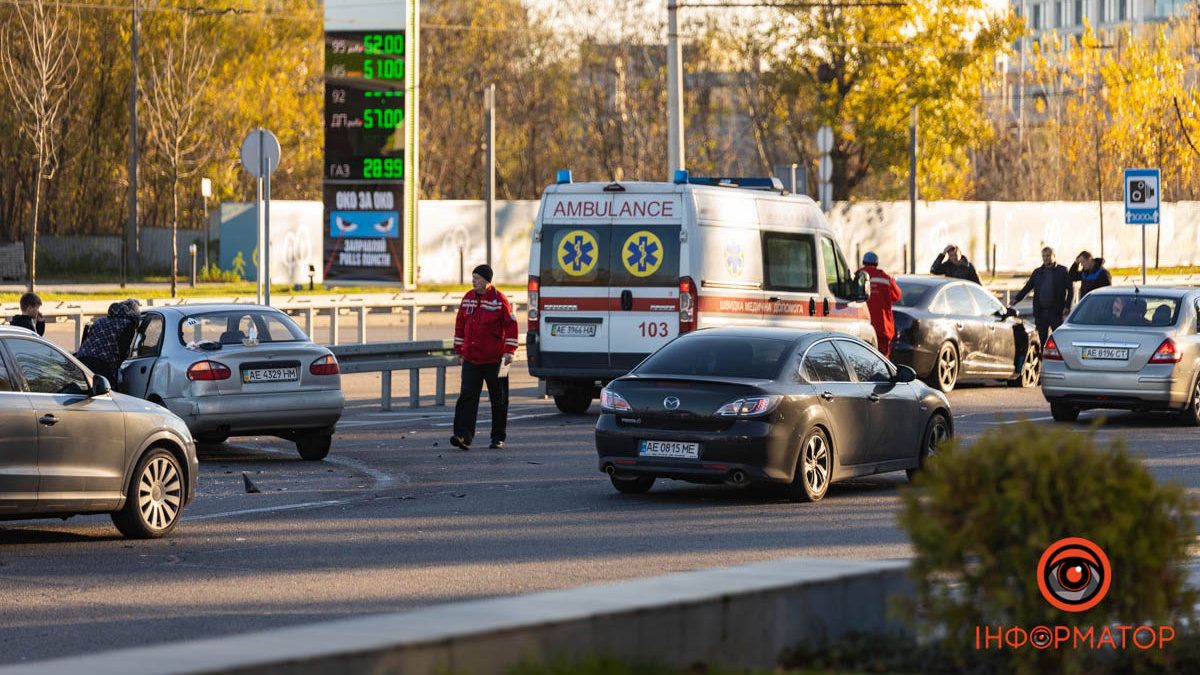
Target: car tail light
x,y
1166,353
611,401
1050,351
749,407
688,301
535,287
326,365
208,371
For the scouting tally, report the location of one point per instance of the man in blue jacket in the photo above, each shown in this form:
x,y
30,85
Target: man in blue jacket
x,y
1052,294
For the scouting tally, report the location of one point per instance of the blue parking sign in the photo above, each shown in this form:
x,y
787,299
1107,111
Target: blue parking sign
x,y
1143,189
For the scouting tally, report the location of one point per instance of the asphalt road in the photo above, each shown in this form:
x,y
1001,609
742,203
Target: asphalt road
x,y
396,519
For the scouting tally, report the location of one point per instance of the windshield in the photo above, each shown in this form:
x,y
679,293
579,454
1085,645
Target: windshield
x,y
230,328
1127,309
719,356
911,294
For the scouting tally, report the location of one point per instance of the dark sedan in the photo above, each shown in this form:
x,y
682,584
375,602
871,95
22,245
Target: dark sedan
x,y
762,405
951,331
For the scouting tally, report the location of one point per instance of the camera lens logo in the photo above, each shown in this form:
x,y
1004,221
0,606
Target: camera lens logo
x,y
1074,574
1140,192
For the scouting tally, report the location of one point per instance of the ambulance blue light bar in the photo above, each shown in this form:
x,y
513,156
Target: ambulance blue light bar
x,y
681,176
745,182
564,176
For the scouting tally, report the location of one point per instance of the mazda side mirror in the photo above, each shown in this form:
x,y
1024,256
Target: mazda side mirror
x,y
101,386
904,374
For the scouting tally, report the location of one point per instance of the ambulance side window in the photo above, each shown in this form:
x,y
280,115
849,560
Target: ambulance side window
x,y
837,276
789,262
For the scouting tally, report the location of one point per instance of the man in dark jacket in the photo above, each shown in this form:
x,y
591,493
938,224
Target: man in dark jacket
x,y
1090,273
485,339
952,263
30,317
1052,292
107,342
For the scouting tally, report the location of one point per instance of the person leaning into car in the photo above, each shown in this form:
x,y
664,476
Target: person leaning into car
x,y
952,263
485,339
1052,293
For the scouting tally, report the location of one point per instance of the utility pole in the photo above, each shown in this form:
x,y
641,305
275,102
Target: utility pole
x,y
912,192
489,111
205,193
132,250
674,92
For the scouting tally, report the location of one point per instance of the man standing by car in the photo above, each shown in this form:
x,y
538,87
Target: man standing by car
x,y
1052,291
106,344
1090,273
952,263
485,339
883,293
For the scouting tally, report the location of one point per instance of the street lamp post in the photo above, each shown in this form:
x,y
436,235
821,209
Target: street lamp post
x,y
205,193
675,160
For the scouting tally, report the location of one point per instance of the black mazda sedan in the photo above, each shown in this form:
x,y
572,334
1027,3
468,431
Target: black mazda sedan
x,y
951,331
766,405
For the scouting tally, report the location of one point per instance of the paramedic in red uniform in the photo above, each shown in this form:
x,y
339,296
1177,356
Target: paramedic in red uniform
x,y
884,292
485,338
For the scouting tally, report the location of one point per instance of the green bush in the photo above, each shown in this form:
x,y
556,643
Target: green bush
x,y
212,273
981,517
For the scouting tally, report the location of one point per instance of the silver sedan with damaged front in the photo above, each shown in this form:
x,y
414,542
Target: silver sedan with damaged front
x,y
70,446
237,370
1128,349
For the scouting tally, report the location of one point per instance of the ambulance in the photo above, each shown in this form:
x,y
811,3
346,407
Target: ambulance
x,y
617,270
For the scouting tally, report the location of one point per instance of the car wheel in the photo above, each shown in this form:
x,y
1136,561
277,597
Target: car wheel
x,y
1064,412
573,401
155,498
1191,414
937,431
315,447
945,369
814,468
632,485
1031,370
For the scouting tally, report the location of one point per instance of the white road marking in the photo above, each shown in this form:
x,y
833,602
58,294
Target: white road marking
x,y
1026,419
267,509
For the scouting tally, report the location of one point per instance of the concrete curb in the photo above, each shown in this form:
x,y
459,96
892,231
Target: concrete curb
x,y
744,616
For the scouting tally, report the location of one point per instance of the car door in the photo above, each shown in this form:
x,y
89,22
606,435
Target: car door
x,y
18,446
999,353
844,401
644,295
575,276
81,438
893,410
972,333
136,371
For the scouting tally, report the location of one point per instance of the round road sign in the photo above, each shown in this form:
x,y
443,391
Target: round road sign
x,y
260,153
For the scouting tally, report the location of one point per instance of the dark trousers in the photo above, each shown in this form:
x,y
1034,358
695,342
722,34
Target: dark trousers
x,y
467,409
1047,320
101,368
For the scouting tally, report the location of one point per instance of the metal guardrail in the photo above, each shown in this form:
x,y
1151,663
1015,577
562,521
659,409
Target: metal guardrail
x,y
386,357
306,307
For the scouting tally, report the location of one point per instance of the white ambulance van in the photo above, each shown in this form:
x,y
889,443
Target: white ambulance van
x,y
618,270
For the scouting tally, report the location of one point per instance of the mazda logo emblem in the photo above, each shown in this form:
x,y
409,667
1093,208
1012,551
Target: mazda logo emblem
x,y
671,402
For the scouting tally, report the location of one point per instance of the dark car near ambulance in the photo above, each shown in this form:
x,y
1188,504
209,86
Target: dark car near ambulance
x,y
800,408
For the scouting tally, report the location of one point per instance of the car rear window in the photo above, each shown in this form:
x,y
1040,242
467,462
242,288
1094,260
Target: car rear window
x,y
230,328
1126,309
719,356
912,294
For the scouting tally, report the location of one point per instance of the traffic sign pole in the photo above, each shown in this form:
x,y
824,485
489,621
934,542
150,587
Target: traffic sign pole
x,y
1143,203
260,157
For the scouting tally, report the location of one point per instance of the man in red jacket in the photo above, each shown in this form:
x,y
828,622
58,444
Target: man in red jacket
x,y
485,339
884,292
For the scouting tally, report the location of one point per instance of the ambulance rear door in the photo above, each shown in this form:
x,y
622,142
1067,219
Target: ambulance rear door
x,y
644,285
575,271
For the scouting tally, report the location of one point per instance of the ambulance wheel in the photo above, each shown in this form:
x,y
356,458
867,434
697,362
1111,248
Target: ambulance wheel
x,y
573,401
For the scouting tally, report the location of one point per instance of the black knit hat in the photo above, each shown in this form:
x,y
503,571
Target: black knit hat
x,y
484,271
